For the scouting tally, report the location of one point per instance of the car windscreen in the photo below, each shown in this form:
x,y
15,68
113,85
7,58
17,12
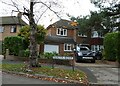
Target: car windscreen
x,y
83,49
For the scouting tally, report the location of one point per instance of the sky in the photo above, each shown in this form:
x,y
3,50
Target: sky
x,y
72,7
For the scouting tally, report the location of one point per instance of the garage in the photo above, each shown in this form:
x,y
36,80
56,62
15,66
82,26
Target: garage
x,y
51,48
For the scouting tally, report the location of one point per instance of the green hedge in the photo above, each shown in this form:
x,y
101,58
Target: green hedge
x,y
118,47
110,46
15,44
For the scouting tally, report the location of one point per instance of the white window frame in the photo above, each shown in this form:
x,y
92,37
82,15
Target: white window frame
x,y
1,29
97,47
67,45
61,32
82,35
12,29
95,34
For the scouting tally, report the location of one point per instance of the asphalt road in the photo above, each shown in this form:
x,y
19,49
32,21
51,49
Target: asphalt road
x,y
16,79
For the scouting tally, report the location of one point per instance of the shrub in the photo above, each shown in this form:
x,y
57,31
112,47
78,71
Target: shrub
x,y
118,47
68,54
48,55
15,44
24,53
110,47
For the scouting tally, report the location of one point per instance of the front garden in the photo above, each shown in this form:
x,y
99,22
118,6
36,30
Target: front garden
x,y
57,74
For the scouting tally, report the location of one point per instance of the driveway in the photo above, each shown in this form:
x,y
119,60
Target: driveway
x,y
104,73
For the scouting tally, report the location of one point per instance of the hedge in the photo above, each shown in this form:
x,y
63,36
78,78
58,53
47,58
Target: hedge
x,y
118,47
15,44
111,46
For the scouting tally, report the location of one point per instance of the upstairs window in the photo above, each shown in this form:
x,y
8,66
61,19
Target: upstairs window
x,y
82,35
96,34
67,47
1,29
13,29
61,32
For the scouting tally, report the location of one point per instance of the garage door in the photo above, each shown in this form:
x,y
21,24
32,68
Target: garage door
x,y
51,48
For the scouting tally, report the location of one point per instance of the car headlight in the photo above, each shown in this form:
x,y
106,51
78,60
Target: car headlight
x,y
80,54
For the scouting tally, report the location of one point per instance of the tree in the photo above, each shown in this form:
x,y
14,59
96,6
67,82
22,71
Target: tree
x,y
91,22
33,26
112,13
40,35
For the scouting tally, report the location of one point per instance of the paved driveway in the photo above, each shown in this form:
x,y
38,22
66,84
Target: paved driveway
x,y
104,73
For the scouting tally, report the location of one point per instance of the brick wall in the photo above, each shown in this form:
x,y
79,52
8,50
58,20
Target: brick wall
x,y
7,31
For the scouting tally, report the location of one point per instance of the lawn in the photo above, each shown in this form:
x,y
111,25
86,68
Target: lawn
x,y
76,75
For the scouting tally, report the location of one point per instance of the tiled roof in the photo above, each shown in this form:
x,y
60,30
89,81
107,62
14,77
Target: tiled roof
x,y
65,24
57,39
11,20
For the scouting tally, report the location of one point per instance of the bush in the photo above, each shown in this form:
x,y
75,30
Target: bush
x,y
110,46
24,53
118,47
15,44
48,55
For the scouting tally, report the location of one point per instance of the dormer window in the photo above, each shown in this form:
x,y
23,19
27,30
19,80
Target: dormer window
x,y
61,32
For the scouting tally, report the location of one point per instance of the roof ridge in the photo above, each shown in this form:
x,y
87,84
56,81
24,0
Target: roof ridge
x,y
7,16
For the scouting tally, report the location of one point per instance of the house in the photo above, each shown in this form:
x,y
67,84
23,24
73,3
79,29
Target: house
x,y
96,41
9,26
63,35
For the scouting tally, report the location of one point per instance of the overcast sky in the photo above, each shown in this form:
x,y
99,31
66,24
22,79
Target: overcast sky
x,y
72,7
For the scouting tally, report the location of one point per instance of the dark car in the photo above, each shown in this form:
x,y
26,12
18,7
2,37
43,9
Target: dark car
x,y
98,55
84,53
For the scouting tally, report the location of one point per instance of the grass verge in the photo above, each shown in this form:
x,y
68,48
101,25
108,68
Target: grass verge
x,y
76,75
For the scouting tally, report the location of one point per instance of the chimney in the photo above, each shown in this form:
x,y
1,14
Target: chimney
x,y
19,15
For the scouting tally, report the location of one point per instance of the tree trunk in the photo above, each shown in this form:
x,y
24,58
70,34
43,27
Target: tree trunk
x,y
33,44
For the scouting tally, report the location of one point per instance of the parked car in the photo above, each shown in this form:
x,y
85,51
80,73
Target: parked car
x,y
84,53
98,55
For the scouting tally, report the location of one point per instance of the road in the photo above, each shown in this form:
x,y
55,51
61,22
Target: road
x,y
104,73
16,79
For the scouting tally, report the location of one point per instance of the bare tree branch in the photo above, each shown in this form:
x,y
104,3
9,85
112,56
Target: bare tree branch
x,y
15,5
56,13
7,4
41,15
